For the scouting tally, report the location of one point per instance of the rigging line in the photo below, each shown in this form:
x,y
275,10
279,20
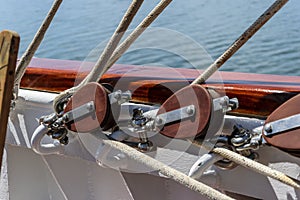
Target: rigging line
x,y
255,166
35,43
135,34
113,42
105,56
268,14
172,173
117,53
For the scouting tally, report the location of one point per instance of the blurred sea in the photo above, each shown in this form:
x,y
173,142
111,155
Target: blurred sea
x,y
80,25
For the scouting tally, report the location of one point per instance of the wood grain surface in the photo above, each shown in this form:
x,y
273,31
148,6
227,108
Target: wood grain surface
x,y
9,45
258,94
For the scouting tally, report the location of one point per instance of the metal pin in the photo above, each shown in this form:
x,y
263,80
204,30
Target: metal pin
x,y
268,128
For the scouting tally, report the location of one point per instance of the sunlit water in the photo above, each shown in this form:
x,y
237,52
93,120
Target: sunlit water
x,y
80,25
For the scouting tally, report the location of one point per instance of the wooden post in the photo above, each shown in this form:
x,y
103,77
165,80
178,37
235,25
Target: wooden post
x,y
9,42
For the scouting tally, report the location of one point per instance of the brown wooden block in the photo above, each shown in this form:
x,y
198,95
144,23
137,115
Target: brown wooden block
x,y
90,92
288,140
188,128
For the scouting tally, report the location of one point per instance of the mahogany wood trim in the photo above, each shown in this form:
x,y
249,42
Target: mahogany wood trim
x,y
258,94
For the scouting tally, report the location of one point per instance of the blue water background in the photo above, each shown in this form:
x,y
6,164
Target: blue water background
x,y
81,24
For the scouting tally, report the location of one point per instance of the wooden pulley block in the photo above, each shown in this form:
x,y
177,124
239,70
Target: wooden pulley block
x,y
101,116
282,127
189,127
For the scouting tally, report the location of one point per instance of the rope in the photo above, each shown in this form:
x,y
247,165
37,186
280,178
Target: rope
x,y
135,34
255,166
99,70
173,174
33,46
113,42
106,54
275,7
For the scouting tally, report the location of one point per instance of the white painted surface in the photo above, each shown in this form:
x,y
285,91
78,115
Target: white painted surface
x,y
77,175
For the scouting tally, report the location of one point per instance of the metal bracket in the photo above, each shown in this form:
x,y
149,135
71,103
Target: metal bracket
x,y
282,125
119,97
56,123
175,115
225,104
79,112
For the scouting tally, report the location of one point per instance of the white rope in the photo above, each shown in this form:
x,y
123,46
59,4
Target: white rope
x,y
255,166
33,46
173,174
99,70
106,54
275,7
135,34
113,42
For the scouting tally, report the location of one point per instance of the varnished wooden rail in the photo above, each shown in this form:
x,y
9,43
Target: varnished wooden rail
x,y
258,94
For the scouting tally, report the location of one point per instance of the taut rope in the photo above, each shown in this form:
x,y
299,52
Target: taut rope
x,y
255,166
33,46
275,7
167,171
113,42
98,69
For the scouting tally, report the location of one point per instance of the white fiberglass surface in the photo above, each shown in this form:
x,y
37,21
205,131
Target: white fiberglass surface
x,y
75,174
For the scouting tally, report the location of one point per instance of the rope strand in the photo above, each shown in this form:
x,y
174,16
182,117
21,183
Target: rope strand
x,y
135,34
113,42
99,70
104,57
35,43
275,7
255,166
173,174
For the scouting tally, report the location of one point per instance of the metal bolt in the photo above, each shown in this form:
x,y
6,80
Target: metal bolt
x,y
158,121
268,128
90,106
66,117
118,95
190,110
145,146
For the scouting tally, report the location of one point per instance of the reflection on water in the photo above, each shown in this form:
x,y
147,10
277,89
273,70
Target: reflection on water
x,y
81,25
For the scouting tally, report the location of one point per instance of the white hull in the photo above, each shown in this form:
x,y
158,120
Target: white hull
x,y
76,174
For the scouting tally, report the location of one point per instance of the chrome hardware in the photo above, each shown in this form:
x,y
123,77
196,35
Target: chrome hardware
x,y
139,123
44,149
202,164
254,144
56,130
282,125
119,97
79,112
223,141
242,141
245,141
233,103
175,115
225,104
241,136
56,123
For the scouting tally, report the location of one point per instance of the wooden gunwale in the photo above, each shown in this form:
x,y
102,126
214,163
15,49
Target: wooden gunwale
x,y
258,94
